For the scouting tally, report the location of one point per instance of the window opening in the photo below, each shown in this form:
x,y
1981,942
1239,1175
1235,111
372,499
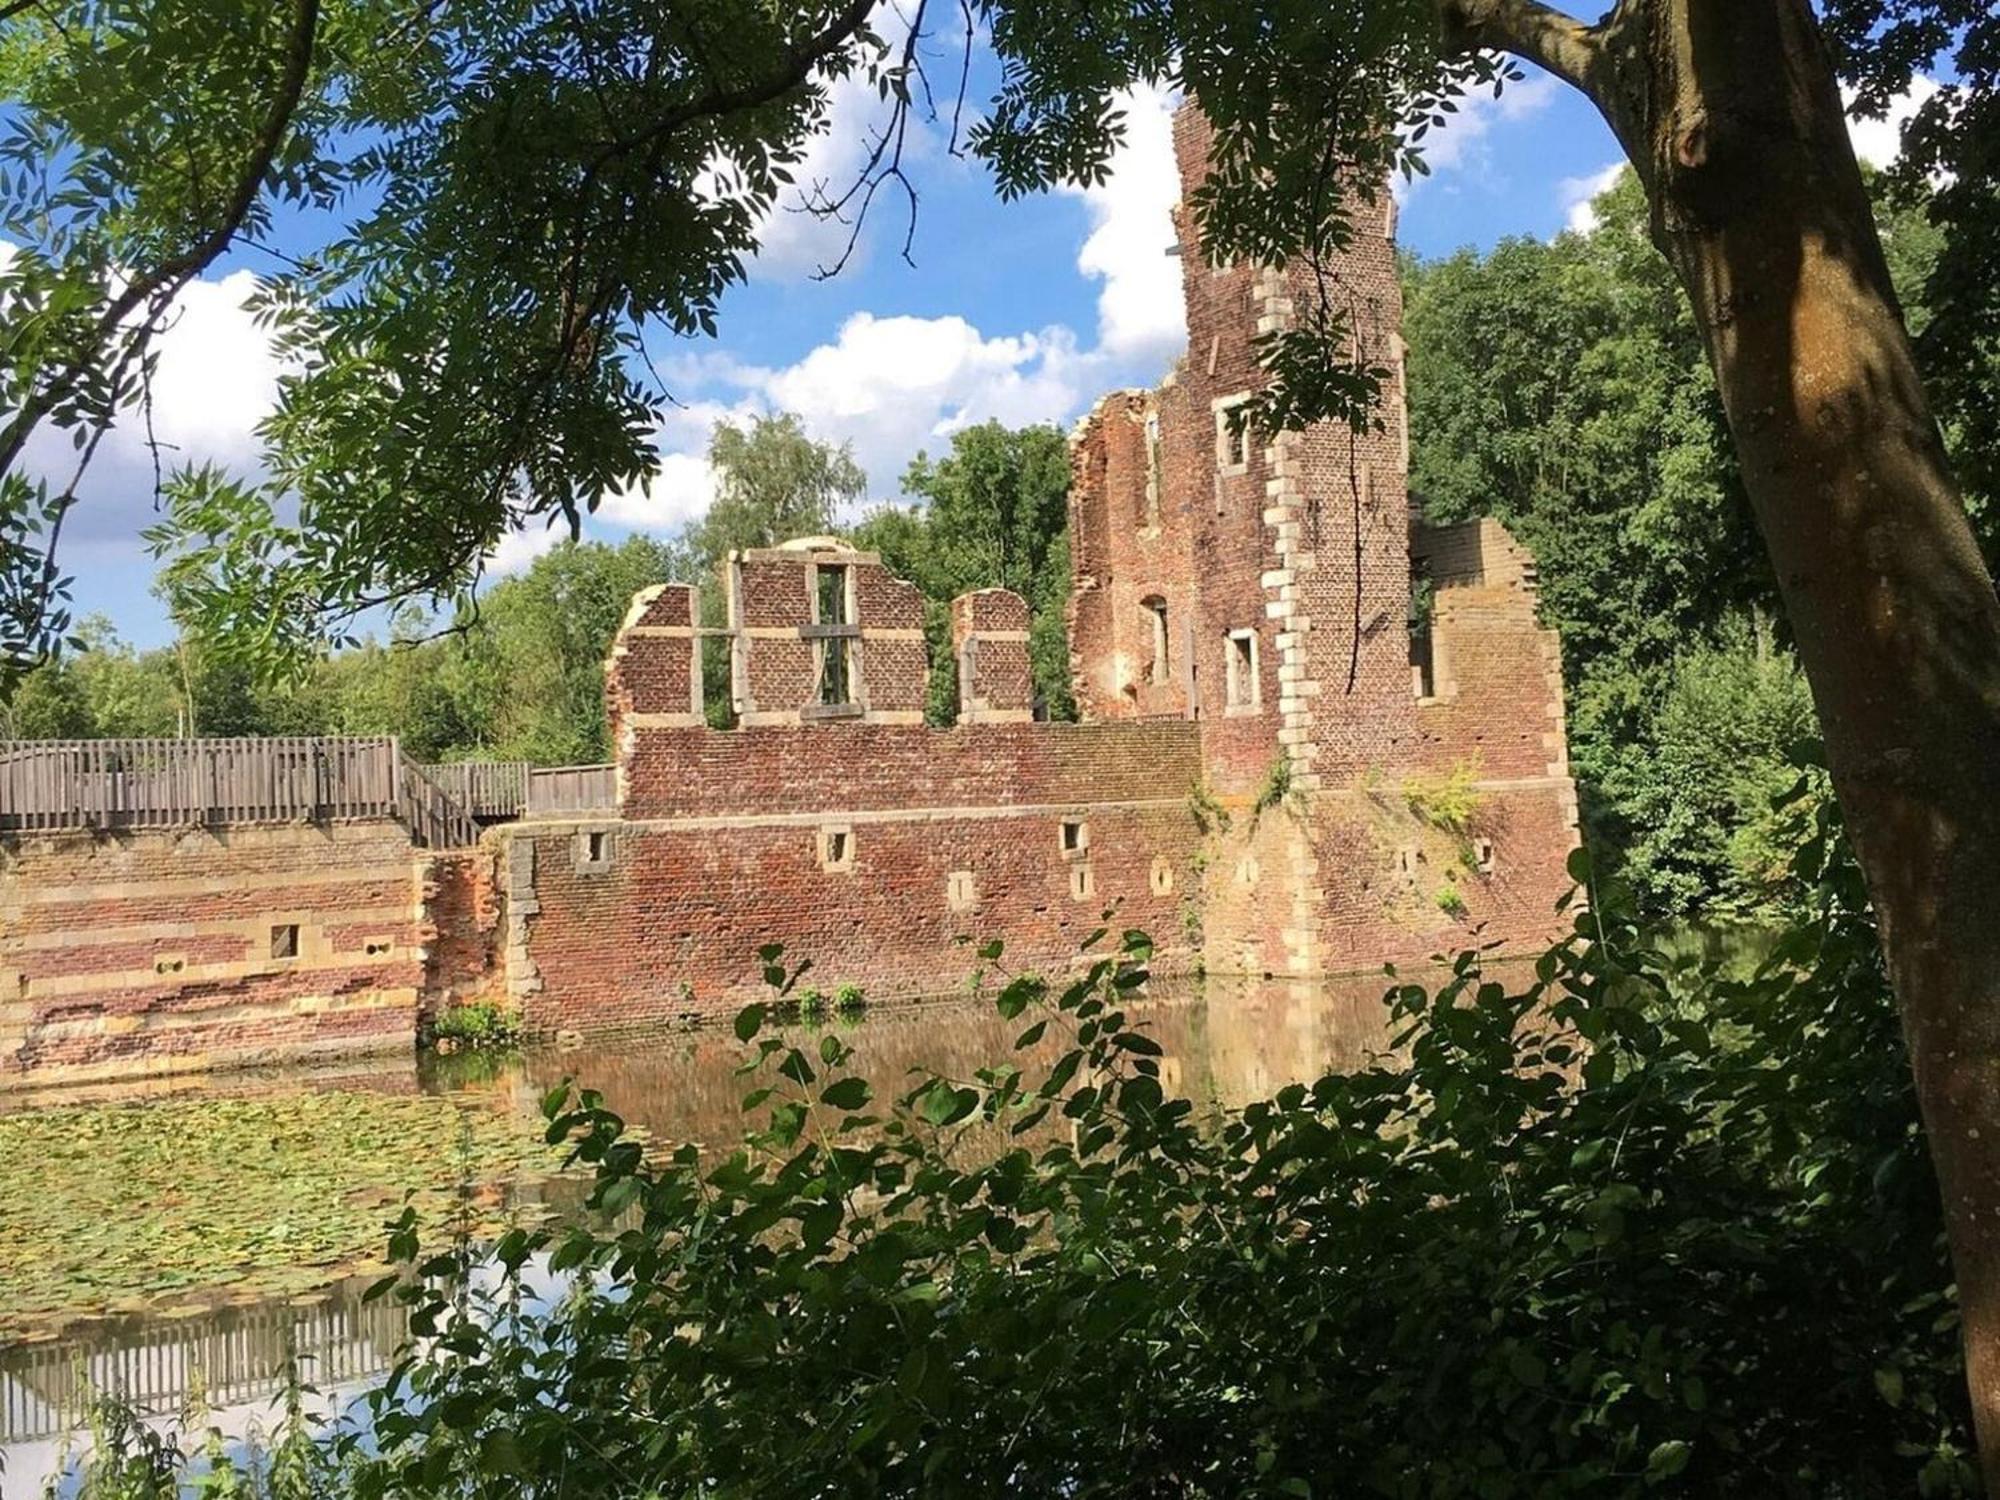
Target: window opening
x,y
285,940
1423,643
830,610
1075,836
836,850
1242,689
1233,439
1156,611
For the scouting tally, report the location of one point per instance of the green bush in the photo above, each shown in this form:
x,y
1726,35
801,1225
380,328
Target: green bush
x,y
476,1023
1636,1222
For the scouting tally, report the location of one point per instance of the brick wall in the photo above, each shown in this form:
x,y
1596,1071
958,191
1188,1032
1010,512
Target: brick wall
x,y
164,951
886,853
462,901
1283,565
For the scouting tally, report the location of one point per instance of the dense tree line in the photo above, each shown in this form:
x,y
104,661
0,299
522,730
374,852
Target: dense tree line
x,y
520,674
1561,386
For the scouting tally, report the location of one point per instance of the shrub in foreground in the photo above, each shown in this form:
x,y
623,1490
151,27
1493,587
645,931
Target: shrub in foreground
x,y
1627,1225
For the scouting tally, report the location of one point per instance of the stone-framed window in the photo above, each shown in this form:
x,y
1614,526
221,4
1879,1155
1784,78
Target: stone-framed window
x,y
1482,856
961,893
284,940
1243,687
1073,838
1082,883
836,849
836,640
1160,673
1162,876
593,851
1234,439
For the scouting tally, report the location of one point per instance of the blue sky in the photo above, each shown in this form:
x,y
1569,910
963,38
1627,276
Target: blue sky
x,y
1025,312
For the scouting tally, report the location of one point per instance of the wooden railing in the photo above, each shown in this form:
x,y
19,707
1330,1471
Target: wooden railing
x,y
489,789
123,784
554,790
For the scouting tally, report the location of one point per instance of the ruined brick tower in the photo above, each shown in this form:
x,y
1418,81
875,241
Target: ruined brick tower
x,y
1393,781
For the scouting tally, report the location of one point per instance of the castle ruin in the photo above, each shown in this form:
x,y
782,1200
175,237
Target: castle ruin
x,y
1283,768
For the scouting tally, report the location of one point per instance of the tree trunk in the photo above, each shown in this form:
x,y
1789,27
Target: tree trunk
x,y
1730,112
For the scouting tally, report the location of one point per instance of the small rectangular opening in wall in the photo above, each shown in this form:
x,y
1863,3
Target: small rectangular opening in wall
x,y
1075,836
1242,688
1482,855
1156,614
285,940
1234,439
960,893
1082,883
593,851
836,850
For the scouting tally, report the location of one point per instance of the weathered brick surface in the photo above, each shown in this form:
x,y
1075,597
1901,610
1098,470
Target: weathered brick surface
x,y
1262,777
153,951
672,926
1284,568
989,638
462,901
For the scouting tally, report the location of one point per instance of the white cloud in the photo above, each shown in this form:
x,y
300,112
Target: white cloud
x,y
681,492
217,376
895,385
1880,142
1460,141
517,549
1579,196
793,243
1140,314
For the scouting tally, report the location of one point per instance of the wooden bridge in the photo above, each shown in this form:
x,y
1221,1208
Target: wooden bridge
x,y
129,783
230,1357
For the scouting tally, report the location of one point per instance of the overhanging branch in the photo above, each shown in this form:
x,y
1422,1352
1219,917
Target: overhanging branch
x,y
1562,44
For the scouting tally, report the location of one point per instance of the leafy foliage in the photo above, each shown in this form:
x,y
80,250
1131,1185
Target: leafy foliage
x,y
773,483
1562,387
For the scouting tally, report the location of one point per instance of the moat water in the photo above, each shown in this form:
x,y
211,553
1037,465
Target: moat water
x,y
212,1313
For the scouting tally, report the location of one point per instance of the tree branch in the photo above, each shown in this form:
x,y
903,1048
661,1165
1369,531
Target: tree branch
x,y
1562,44
798,67
178,269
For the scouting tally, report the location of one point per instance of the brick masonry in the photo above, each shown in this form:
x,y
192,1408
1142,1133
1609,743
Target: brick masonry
x,y
1278,774
1261,588
178,950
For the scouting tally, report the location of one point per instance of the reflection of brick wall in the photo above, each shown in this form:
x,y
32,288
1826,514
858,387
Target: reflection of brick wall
x,y
155,951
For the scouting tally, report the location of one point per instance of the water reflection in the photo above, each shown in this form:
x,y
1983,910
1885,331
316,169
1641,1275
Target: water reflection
x,y
1226,1043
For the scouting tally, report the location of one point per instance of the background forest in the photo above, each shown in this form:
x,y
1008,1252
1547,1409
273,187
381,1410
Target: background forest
x,y
1559,386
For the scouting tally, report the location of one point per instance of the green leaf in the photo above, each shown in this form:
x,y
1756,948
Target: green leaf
x,y
750,1020
848,1094
1667,1460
